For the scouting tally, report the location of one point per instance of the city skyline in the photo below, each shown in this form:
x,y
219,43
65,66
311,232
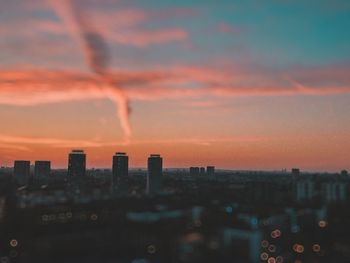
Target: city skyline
x,y
253,86
77,161
77,164
188,131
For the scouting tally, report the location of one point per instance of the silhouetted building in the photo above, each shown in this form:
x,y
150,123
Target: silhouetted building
x,y
344,173
194,171
211,170
120,169
21,172
42,169
295,172
202,171
76,164
154,176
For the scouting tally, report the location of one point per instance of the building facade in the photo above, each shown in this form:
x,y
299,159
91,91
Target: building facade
x,y
76,164
120,170
21,172
154,175
42,169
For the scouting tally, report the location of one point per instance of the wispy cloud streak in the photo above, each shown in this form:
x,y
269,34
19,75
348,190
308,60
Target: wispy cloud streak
x,y
54,142
96,52
9,141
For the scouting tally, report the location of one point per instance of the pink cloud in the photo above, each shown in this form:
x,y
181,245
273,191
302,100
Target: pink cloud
x,y
143,38
228,29
125,26
34,87
322,76
37,87
130,17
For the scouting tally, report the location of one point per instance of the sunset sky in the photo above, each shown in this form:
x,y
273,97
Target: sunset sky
x,y
235,84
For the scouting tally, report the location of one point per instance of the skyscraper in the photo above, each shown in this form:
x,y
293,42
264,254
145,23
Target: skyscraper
x,y
344,173
21,172
295,173
76,164
120,170
154,176
42,169
210,170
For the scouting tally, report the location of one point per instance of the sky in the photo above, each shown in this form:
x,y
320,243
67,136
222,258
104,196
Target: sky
x,y
236,84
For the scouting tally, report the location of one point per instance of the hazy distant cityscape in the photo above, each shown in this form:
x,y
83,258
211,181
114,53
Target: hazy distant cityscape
x,y
195,214
162,131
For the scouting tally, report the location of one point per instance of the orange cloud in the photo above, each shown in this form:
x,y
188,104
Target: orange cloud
x,y
53,142
34,87
30,88
14,141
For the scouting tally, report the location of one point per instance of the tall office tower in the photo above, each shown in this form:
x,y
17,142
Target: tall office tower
x,y
42,170
344,173
295,173
120,170
154,176
211,170
76,164
21,172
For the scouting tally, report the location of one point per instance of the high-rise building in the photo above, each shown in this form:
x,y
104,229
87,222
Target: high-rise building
x,y
154,176
21,172
42,169
211,170
296,171
120,169
76,164
202,171
344,173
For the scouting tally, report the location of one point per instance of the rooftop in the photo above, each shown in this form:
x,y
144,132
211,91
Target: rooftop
x,y
78,151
